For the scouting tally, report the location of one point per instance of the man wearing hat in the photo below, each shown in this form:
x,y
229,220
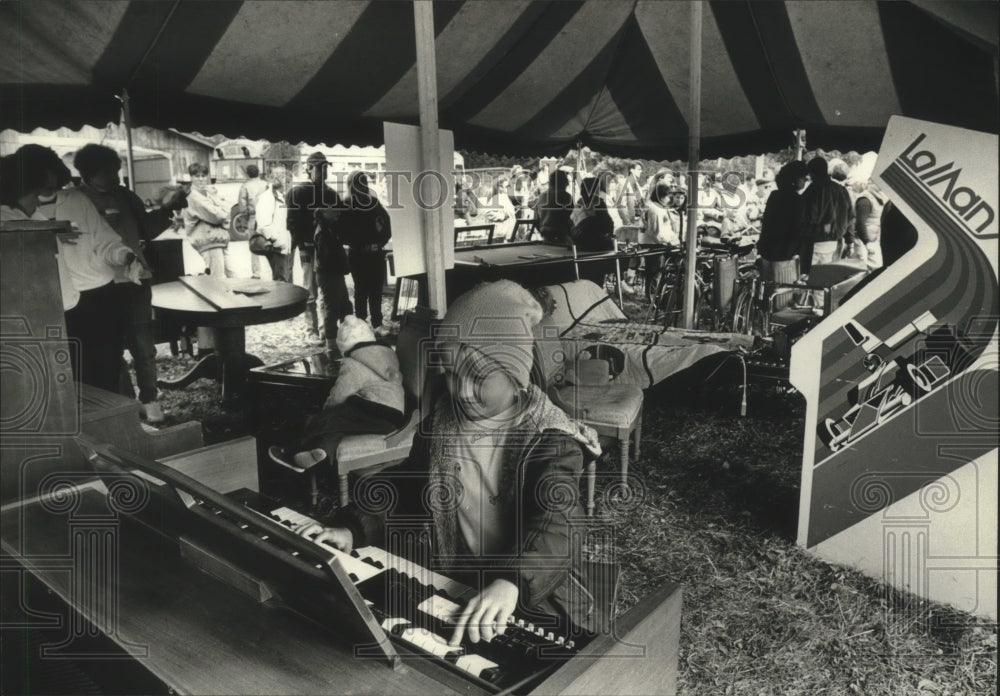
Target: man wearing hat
x,y
304,203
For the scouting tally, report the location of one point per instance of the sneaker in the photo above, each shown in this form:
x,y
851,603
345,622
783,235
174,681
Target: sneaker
x,y
300,461
309,458
280,456
153,412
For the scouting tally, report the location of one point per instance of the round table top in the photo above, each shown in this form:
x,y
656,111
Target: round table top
x,y
277,300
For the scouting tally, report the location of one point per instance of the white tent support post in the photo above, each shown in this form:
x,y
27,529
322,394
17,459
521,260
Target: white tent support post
x,y
434,235
694,137
127,124
579,163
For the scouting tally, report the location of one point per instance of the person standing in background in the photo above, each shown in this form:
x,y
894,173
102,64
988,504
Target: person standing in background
x,y
661,229
780,226
99,168
593,230
554,208
850,247
630,208
519,190
304,203
206,223
272,223
364,225
250,191
89,258
826,213
331,266
502,211
868,220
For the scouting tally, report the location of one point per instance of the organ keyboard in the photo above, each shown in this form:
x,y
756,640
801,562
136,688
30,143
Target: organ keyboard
x,y
388,609
420,607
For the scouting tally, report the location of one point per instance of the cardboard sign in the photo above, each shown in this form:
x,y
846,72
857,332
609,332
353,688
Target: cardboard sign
x,y
900,454
404,178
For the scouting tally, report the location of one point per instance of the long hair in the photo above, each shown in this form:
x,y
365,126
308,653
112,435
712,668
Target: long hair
x,y
361,196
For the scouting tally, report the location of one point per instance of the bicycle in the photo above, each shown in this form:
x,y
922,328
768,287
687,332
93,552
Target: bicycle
x,y
757,300
716,265
751,307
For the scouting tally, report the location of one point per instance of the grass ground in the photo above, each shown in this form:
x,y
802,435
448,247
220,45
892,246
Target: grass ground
x,y
714,508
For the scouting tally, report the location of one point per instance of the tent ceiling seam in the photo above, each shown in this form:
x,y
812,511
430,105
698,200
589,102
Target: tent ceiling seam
x,y
767,59
614,57
152,44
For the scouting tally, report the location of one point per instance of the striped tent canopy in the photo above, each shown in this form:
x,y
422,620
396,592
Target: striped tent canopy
x,y
515,77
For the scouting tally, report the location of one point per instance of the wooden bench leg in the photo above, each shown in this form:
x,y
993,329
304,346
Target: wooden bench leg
x,y
591,485
344,498
638,436
624,443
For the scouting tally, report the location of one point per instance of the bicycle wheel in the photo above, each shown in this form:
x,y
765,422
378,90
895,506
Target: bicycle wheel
x,y
742,311
702,311
755,319
671,307
705,316
759,319
653,309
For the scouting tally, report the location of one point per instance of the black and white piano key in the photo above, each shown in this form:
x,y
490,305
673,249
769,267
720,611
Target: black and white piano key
x,y
357,570
425,576
429,642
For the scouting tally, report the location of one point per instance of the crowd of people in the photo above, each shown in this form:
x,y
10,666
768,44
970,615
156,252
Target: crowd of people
x,y
806,215
810,213
107,258
493,443
816,217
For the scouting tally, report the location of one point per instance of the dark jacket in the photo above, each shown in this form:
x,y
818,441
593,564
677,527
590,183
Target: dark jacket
x,y
827,212
595,233
553,219
898,235
554,208
364,225
540,478
780,228
302,202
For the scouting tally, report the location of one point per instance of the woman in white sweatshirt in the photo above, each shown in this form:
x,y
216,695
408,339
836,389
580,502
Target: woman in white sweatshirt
x,y
272,222
31,189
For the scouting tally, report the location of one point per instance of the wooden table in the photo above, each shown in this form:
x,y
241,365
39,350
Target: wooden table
x,y
221,307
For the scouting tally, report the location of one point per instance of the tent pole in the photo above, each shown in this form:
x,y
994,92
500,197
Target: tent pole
x,y
433,220
127,124
694,137
579,162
